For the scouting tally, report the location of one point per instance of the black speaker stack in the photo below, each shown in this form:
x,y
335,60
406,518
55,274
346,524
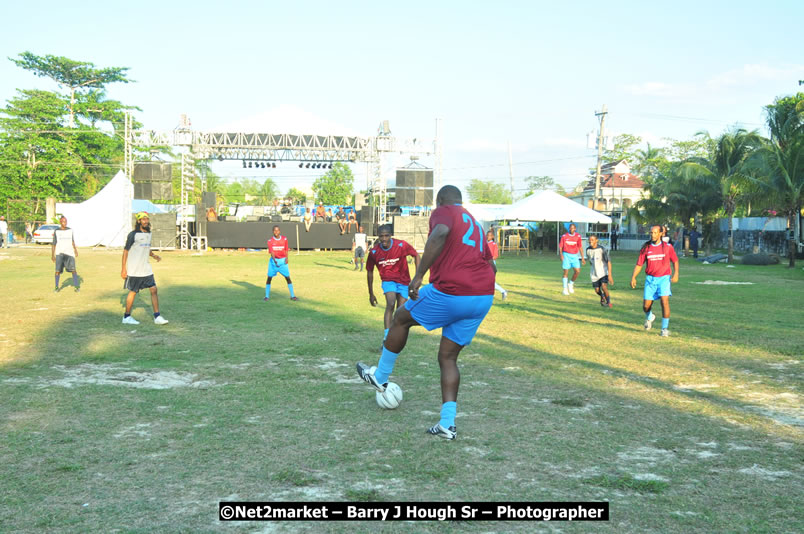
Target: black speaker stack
x,y
153,180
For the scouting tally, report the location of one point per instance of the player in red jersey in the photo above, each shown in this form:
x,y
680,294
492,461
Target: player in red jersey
x,y
657,256
278,248
569,249
391,258
495,253
459,296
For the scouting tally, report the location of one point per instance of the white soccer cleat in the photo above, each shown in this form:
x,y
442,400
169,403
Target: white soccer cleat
x,y
130,320
665,332
160,320
565,292
504,295
649,321
571,287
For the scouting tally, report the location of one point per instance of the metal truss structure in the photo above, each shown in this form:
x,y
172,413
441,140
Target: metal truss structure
x,y
278,147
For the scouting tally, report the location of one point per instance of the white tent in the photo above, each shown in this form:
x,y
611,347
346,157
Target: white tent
x,y
550,206
104,219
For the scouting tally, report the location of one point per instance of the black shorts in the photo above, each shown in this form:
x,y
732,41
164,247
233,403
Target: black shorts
x,y
600,281
65,262
135,283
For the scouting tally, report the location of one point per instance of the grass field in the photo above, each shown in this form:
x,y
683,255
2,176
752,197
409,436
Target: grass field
x,y
113,428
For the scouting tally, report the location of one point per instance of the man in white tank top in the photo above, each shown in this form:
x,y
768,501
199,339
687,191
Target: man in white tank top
x,y
63,253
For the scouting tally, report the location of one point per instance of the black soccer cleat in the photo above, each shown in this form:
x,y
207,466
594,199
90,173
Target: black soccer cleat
x,y
366,374
446,433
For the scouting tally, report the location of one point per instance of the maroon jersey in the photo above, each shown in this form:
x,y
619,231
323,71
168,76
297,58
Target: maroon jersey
x,y
658,258
495,251
570,243
392,263
278,247
462,268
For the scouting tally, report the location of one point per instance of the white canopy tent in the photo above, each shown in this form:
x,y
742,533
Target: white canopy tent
x,y
104,219
549,206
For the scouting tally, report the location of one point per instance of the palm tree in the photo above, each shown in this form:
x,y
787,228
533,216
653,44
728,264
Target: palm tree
x,y
778,165
724,171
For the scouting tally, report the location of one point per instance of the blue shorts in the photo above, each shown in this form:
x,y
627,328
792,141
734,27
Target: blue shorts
x,y
571,261
657,286
459,316
395,287
280,267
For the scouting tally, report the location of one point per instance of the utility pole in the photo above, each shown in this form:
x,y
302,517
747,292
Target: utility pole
x,y
511,170
602,118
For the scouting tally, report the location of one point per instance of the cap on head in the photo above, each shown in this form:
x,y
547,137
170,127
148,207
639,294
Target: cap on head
x,y
142,215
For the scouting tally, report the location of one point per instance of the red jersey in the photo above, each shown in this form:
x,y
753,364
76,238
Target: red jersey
x,y
570,243
495,250
278,247
463,267
658,257
392,263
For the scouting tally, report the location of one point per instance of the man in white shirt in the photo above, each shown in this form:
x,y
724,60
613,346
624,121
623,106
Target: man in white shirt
x,y
137,270
3,232
63,252
359,246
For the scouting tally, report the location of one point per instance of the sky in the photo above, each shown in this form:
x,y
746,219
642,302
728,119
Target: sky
x,y
530,74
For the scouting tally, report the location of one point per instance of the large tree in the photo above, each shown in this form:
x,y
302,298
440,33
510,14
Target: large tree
x,y
778,166
336,186
80,78
488,192
543,183
725,171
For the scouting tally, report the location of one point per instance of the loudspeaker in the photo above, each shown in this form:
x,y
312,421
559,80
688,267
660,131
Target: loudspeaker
x,y
153,190
152,171
276,218
208,199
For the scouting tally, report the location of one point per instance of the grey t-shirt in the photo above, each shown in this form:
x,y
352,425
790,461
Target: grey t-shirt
x,y
598,261
138,245
63,239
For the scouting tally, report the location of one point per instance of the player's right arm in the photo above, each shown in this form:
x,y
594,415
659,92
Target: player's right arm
x,y
561,248
123,273
432,250
53,248
370,278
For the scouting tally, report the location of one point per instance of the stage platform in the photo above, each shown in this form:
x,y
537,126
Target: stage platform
x,y
256,234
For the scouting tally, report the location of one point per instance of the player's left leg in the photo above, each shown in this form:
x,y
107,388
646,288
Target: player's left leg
x,y
605,287
390,305
448,352
158,319
665,300
649,316
393,345
290,286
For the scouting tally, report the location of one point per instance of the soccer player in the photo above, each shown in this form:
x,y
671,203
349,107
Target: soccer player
x,y
359,247
459,296
495,253
137,270
569,249
600,270
278,248
391,258
658,255
63,253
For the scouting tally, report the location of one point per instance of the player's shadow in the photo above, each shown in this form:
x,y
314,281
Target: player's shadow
x,y
331,266
249,286
67,281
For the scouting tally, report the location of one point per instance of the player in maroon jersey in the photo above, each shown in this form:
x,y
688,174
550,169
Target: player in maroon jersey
x,y
657,256
278,248
391,258
459,296
569,249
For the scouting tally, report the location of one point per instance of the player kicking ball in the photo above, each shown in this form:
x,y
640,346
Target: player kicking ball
x,y
569,249
658,256
460,294
600,270
391,258
278,248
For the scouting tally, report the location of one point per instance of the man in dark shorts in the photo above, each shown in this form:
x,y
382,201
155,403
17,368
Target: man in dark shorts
x,y
460,294
137,270
360,247
600,270
63,253
340,217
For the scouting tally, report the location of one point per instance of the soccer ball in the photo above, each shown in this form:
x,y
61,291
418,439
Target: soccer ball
x,y
391,397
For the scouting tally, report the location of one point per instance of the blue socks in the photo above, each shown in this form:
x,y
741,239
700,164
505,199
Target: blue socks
x,y
647,315
385,366
448,411
290,288
665,323
385,335
563,281
267,291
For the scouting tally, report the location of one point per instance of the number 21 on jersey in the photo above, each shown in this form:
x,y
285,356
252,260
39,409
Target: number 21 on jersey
x,y
467,237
